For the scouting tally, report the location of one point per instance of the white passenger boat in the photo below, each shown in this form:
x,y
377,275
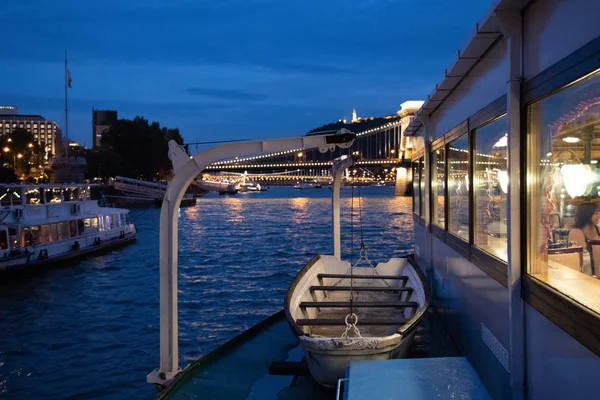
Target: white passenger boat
x,y
343,312
41,224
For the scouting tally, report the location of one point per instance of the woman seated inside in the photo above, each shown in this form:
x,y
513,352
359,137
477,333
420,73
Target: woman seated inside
x,y
584,231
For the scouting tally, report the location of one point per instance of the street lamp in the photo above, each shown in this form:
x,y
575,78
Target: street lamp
x,y
19,156
7,150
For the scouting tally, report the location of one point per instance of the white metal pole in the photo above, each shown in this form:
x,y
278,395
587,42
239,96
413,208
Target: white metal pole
x,y
339,165
186,170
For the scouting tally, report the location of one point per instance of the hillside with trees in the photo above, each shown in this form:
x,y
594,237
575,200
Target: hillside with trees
x,y
358,126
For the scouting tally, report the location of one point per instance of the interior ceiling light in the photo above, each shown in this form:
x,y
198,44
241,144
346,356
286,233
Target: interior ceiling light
x,y
570,139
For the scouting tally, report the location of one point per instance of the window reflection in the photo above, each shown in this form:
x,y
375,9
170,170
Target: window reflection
x,y
458,187
490,186
564,184
422,185
438,186
416,188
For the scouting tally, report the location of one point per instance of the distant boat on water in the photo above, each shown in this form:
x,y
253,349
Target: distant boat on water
x,y
42,224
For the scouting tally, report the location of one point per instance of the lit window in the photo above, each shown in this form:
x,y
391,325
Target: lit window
x,y
422,184
416,188
564,199
458,187
438,176
490,186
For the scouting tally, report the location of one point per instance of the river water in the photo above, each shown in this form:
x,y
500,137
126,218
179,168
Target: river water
x,y
90,329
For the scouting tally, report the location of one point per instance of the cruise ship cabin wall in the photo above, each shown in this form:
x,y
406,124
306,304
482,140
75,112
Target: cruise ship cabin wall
x,y
469,277
558,365
470,299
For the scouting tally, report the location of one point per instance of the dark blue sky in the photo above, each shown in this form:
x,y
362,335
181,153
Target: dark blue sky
x,y
229,68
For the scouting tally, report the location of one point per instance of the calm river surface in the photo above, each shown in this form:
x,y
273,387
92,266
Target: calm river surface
x,y
90,330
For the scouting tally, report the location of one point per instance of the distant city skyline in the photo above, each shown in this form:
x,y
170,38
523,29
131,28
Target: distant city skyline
x,y
228,69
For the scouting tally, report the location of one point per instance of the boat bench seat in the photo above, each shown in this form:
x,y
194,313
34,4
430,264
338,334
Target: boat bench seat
x,y
362,288
355,276
342,322
359,304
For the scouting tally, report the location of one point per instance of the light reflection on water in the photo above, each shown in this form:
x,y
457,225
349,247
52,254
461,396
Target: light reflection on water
x,y
92,330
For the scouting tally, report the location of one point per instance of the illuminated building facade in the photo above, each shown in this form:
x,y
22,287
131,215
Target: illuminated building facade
x,y
46,133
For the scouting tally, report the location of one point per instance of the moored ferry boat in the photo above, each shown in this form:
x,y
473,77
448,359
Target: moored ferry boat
x,y
41,224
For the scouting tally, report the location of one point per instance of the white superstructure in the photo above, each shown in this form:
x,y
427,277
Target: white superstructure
x,y
40,224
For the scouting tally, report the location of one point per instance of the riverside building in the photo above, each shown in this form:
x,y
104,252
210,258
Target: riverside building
x,y
507,198
46,133
101,121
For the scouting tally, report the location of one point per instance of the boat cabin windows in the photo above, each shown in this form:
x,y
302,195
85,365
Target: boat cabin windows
x,y
64,231
3,239
35,234
490,187
72,228
563,182
33,196
53,195
14,239
90,225
422,185
458,187
45,233
25,237
10,197
416,173
438,187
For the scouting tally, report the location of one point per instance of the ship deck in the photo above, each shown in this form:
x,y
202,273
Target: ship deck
x,y
240,368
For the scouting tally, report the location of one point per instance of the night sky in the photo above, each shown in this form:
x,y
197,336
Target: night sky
x,y
227,69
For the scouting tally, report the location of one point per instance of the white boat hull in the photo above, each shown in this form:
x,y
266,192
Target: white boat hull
x,y
327,353
327,359
34,256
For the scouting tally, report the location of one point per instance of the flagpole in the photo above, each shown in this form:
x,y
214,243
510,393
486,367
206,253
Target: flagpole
x,y
66,109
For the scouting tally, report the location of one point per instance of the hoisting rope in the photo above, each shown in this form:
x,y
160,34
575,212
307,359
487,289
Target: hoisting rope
x,y
363,256
351,253
351,326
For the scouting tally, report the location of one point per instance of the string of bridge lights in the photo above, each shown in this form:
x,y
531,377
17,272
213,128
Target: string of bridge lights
x,y
286,152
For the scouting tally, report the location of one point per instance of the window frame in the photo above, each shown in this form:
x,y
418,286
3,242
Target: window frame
x,y
458,241
577,320
483,259
494,267
418,217
437,230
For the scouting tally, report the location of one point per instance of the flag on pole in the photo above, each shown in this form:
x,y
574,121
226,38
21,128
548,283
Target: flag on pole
x,y
68,77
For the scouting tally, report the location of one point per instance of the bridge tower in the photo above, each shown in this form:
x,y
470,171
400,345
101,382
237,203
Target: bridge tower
x,y
407,112
354,118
